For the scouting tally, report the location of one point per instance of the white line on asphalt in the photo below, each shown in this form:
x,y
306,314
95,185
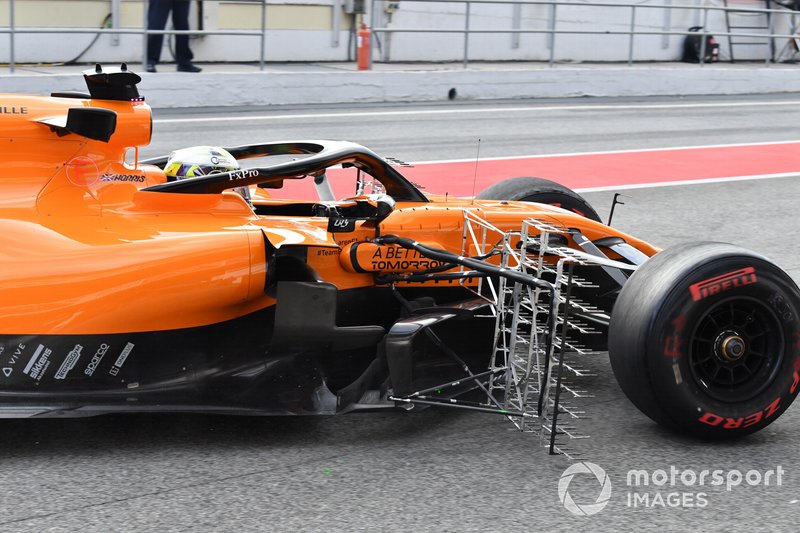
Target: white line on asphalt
x,y
634,151
473,110
686,182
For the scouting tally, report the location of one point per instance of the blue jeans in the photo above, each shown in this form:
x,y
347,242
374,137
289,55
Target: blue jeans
x,y
157,20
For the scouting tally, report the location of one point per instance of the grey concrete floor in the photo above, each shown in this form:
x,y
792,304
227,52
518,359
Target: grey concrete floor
x,y
432,470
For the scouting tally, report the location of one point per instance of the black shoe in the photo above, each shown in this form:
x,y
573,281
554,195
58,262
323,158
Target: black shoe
x,y
188,67
151,67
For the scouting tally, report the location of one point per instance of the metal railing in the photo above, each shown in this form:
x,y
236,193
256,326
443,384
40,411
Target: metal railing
x,y
552,30
116,30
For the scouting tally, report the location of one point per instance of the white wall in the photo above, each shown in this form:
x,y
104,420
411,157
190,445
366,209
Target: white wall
x,y
301,30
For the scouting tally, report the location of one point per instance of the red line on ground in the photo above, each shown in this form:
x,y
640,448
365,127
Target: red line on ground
x,y
583,171
613,169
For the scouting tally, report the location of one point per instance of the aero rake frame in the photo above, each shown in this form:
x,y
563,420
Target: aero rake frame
x,y
529,289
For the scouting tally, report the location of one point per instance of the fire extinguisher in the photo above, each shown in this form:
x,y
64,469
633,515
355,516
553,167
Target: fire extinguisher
x,y
362,44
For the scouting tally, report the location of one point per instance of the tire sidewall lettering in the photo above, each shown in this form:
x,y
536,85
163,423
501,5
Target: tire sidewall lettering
x,y
670,340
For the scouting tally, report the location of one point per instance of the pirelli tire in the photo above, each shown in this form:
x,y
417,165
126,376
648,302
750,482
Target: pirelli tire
x,y
542,191
705,340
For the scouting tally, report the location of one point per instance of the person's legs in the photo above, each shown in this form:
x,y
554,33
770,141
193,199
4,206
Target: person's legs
x,y
180,21
156,20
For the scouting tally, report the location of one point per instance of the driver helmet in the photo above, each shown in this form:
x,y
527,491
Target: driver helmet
x,y
200,161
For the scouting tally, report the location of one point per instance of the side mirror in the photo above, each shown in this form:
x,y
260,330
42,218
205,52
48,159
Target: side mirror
x,y
385,204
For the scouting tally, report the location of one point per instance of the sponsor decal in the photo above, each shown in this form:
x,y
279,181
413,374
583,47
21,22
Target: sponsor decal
x,y
13,110
121,359
397,266
395,252
82,171
13,356
33,359
123,177
38,363
69,362
242,174
713,419
222,160
345,242
341,225
724,282
96,358
742,422
396,259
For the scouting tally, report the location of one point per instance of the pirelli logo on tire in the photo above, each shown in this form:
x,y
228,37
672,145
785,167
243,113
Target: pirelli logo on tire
x,y
722,283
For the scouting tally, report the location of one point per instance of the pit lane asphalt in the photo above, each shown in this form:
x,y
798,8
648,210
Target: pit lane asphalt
x,y
431,470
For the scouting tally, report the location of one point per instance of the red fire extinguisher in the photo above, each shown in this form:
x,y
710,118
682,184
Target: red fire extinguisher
x,y
362,44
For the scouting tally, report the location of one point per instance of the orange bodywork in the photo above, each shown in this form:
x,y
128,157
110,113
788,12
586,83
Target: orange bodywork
x,y
231,292
83,250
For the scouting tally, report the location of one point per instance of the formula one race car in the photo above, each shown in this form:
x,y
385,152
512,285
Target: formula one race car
x,y
125,291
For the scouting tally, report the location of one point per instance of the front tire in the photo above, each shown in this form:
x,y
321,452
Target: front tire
x,y
541,191
705,340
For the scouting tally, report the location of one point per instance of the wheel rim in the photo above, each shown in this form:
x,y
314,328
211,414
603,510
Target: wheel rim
x,y
736,349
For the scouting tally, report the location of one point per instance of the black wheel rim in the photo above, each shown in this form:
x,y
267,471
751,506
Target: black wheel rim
x,y
736,349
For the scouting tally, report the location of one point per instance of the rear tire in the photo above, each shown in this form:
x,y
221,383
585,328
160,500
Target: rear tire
x,y
705,340
541,191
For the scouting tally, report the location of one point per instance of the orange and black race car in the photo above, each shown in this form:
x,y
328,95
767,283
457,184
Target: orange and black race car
x,y
124,291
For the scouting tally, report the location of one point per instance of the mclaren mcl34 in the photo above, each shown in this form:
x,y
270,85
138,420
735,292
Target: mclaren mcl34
x,y
123,291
